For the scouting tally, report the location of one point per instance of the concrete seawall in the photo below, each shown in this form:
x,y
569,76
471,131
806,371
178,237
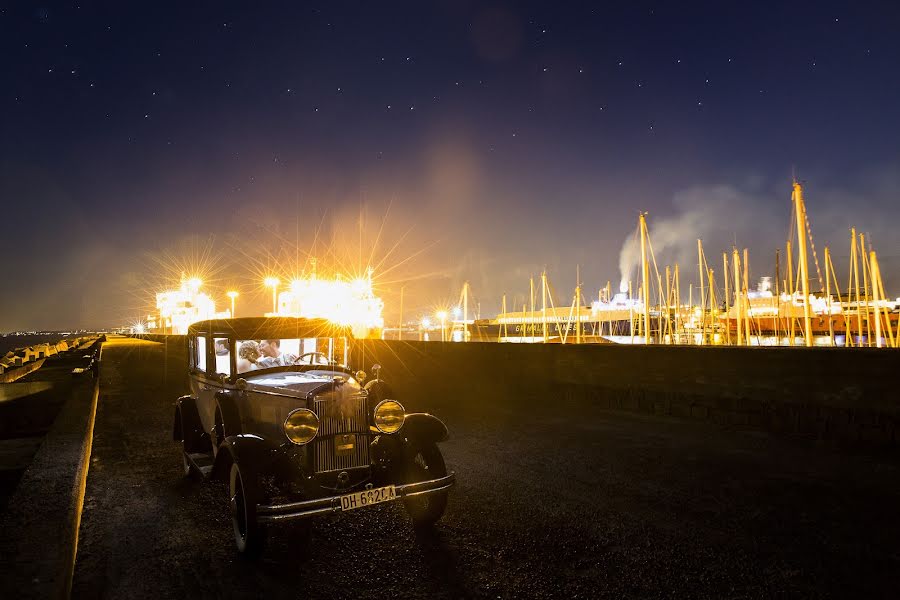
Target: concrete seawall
x,y
828,393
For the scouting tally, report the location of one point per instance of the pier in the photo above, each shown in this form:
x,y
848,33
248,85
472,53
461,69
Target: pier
x,y
560,493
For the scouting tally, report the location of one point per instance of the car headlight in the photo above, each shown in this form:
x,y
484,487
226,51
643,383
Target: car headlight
x,y
301,426
389,416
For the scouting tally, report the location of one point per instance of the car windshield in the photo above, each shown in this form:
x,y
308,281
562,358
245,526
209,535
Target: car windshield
x,y
253,355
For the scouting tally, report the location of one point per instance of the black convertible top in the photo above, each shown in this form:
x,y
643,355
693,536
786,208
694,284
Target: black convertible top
x,y
247,328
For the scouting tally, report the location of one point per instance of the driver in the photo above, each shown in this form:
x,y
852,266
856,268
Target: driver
x,y
272,356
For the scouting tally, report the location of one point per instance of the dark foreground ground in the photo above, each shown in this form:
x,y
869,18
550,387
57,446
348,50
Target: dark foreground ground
x,y
568,503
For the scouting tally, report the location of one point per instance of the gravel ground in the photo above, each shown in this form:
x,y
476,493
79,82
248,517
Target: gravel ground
x,y
583,503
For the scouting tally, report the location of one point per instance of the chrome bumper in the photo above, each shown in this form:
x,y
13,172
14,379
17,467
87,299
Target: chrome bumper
x,y
332,504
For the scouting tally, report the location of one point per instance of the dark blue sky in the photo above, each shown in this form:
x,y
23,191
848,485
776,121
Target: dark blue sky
x,y
504,137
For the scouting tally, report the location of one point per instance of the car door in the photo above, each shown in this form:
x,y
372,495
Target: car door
x,y
201,381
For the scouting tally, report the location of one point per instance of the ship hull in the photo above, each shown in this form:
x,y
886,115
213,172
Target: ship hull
x,y
818,323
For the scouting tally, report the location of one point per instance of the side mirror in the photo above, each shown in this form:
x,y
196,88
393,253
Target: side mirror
x,y
375,369
361,376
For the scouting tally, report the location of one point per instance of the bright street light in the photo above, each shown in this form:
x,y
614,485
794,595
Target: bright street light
x,y
232,294
442,317
273,282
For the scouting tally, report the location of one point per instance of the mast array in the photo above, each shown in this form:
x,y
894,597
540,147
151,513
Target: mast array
x,y
728,311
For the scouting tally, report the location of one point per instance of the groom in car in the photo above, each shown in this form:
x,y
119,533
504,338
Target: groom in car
x,y
272,356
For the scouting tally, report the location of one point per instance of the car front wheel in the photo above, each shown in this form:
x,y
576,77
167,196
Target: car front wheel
x,y
427,463
243,491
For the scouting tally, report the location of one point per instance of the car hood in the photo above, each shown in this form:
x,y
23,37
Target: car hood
x,y
300,383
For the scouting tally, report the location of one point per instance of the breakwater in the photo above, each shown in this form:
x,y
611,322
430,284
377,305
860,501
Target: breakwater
x,y
18,373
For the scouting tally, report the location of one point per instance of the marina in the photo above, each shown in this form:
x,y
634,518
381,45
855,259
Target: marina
x,y
725,309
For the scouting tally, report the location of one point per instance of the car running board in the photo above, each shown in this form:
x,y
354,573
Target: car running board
x,y
202,461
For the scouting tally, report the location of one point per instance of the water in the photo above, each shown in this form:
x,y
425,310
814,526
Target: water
x,y
11,342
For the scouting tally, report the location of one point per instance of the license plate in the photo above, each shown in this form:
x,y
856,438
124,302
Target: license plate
x,y
368,497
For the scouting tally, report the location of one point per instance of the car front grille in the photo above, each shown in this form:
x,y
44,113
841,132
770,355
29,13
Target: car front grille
x,y
343,440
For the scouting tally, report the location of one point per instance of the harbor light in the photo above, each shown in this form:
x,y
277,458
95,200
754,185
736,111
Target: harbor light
x,y
232,294
177,309
343,301
273,282
442,317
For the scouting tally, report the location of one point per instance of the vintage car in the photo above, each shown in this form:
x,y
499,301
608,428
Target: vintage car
x,y
275,412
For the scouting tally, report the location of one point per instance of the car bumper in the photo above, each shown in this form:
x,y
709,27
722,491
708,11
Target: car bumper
x,y
275,513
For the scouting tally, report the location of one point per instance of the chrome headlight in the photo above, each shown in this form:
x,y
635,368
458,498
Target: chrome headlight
x,y
301,426
389,416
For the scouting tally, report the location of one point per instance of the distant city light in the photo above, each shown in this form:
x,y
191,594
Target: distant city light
x,y
178,309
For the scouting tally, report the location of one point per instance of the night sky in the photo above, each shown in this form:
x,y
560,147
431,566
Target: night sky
x,y
492,140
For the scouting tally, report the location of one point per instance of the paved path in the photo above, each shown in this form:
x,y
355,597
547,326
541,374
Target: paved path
x,y
555,504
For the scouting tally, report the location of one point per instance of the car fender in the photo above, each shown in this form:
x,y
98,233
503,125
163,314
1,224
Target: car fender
x,y
377,390
227,408
423,427
245,449
186,426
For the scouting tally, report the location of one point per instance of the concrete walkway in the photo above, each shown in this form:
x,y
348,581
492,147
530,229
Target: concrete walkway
x,y
568,502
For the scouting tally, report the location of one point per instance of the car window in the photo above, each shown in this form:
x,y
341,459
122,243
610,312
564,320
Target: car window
x,y
269,353
222,350
201,353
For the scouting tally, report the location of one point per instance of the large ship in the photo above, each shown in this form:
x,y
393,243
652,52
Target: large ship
x,y
784,314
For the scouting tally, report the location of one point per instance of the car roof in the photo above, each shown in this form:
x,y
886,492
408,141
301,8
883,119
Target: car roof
x,y
270,328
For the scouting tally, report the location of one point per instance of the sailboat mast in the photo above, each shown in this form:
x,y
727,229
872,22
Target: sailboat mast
x,y
702,297
873,265
804,265
645,278
544,304
791,290
727,317
738,299
828,296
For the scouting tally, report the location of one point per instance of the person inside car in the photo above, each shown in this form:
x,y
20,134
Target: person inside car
x,y
248,355
272,356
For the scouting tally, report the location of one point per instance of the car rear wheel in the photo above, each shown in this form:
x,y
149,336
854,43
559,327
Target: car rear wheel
x,y
243,491
427,463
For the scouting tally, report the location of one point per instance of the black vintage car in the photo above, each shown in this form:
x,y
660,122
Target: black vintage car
x,y
275,412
